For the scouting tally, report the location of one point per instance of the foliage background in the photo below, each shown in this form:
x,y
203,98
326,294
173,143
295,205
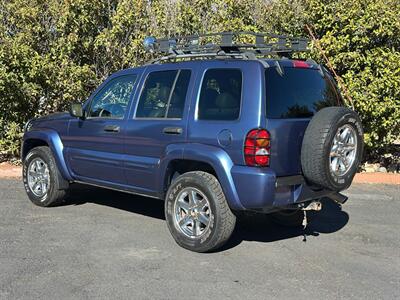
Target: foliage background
x,y
55,52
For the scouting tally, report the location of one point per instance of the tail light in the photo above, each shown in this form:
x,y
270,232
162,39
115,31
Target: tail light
x,y
257,148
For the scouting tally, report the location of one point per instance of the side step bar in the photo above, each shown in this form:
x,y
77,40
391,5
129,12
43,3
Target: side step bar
x,y
338,198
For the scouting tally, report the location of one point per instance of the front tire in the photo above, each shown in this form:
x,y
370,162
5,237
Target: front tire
x,y
197,213
41,178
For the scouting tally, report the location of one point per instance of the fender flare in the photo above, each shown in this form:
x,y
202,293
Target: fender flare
x,y
172,152
215,156
56,146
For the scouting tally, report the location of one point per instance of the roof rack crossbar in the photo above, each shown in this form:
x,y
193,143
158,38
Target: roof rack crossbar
x,y
220,54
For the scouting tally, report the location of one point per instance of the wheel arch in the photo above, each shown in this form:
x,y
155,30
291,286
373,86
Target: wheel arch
x,y
199,157
31,143
181,166
51,139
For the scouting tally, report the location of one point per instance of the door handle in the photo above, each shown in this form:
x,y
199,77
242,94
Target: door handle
x,y
172,130
111,128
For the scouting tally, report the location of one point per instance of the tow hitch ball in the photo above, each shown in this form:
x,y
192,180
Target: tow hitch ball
x,y
317,205
313,205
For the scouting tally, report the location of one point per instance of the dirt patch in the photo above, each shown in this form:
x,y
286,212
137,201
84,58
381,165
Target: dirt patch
x,y
383,178
8,170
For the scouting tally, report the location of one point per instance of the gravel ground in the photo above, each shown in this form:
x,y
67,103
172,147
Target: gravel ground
x,y
106,244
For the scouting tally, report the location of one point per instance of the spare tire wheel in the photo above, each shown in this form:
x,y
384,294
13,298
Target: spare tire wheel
x,y
332,148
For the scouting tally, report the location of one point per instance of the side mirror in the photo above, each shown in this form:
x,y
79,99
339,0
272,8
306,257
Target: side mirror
x,y
76,110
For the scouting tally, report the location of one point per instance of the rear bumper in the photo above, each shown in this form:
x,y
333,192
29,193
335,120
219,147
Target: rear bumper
x,y
260,189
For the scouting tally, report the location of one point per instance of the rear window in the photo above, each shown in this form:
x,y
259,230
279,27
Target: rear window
x,y
298,93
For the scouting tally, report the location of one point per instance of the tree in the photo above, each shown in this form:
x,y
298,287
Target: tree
x,y
56,52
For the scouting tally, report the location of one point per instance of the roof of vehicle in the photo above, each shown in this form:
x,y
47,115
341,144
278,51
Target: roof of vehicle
x,y
269,62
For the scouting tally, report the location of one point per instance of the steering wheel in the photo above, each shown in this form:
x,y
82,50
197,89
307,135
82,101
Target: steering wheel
x,y
112,110
105,112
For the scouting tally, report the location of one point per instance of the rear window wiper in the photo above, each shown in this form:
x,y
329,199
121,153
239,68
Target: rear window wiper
x,y
320,70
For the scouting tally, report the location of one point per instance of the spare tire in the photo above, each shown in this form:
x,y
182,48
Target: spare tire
x,y
332,148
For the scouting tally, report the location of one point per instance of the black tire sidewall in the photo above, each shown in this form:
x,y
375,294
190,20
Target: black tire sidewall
x,y
46,199
205,241
342,182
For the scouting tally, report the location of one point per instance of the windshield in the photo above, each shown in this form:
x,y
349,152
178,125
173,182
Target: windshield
x,y
298,92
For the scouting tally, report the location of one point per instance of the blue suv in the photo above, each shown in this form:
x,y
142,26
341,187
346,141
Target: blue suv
x,y
212,130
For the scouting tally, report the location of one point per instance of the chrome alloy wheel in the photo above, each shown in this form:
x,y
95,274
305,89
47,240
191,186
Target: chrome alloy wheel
x,y
38,177
343,151
192,212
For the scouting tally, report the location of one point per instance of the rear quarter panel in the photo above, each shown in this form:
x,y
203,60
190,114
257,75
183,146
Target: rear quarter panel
x,y
233,132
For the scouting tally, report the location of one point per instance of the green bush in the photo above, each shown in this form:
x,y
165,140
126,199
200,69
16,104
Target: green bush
x,y
10,143
362,38
56,52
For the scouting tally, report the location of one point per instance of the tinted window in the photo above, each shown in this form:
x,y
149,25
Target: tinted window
x,y
220,95
298,93
113,99
164,94
177,102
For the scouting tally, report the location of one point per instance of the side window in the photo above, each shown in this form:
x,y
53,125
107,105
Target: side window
x,y
177,103
220,95
164,94
113,99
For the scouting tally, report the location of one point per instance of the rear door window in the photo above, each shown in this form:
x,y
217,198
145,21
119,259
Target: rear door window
x,y
298,93
178,96
220,95
164,94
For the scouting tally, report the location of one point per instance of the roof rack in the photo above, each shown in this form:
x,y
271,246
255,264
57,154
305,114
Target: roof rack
x,y
224,45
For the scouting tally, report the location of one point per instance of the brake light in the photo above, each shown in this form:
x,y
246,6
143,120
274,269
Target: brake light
x,y
300,64
257,148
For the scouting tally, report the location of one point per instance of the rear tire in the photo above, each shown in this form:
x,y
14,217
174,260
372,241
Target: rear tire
x,y
42,179
203,224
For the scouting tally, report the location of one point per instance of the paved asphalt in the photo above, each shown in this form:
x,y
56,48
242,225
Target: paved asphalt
x,y
109,245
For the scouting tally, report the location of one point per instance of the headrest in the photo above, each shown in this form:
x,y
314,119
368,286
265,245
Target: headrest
x,y
163,93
